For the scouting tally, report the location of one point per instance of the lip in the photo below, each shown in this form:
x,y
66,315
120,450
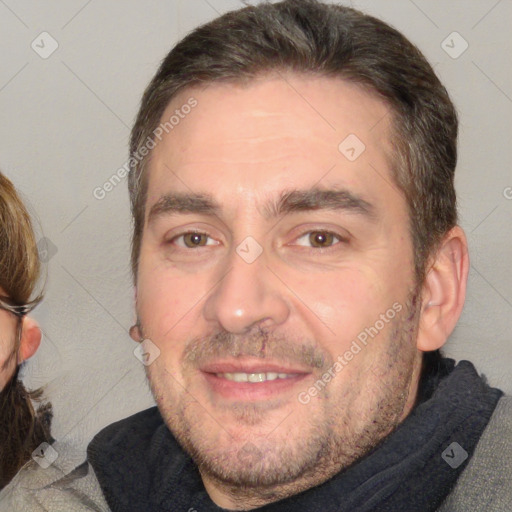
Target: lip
x,y
248,365
251,391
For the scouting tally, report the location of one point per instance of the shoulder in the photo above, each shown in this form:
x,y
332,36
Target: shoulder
x,y
64,481
130,437
68,483
486,483
139,426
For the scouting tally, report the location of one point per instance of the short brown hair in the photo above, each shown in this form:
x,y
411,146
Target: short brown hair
x,y
307,36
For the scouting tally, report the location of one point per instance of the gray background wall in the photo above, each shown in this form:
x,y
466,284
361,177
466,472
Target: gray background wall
x,y
64,129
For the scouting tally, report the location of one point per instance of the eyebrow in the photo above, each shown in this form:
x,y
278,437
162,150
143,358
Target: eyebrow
x,y
319,199
290,201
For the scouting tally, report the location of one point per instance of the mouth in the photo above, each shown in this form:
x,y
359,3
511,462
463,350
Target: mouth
x,y
255,377
251,380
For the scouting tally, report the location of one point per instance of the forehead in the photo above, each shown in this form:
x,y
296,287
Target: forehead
x,y
275,133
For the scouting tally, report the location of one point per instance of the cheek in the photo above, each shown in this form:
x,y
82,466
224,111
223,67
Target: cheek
x,y
344,290
7,347
158,308
7,336
167,304
344,303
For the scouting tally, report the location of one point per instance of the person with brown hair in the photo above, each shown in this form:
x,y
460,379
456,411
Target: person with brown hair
x,y
298,265
22,429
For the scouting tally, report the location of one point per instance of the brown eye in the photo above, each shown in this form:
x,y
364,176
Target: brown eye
x,y
321,239
192,240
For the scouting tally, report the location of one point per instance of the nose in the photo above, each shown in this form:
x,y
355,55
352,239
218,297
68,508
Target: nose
x,y
247,295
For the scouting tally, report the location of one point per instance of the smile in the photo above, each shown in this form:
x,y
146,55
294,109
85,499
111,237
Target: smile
x,y
255,377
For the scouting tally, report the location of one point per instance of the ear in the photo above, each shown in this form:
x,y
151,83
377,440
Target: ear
x,y
444,291
135,332
30,339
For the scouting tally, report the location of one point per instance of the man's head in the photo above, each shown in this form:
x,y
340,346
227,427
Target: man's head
x,y
295,244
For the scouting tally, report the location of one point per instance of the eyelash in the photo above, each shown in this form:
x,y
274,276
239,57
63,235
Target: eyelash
x,y
312,248
181,235
340,239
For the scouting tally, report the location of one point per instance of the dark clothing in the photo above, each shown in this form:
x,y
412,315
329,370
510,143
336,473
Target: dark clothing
x,y
141,468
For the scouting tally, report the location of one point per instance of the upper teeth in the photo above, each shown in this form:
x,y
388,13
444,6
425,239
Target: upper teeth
x,y
254,377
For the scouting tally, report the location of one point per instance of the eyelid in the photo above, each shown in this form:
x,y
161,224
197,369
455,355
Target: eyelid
x,y
200,227
171,238
189,232
342,235
309,232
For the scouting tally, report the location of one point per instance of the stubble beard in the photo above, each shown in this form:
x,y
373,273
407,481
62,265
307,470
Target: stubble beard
x,y
261,469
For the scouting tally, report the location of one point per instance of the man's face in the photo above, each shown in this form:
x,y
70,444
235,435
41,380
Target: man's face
x,y
268,256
